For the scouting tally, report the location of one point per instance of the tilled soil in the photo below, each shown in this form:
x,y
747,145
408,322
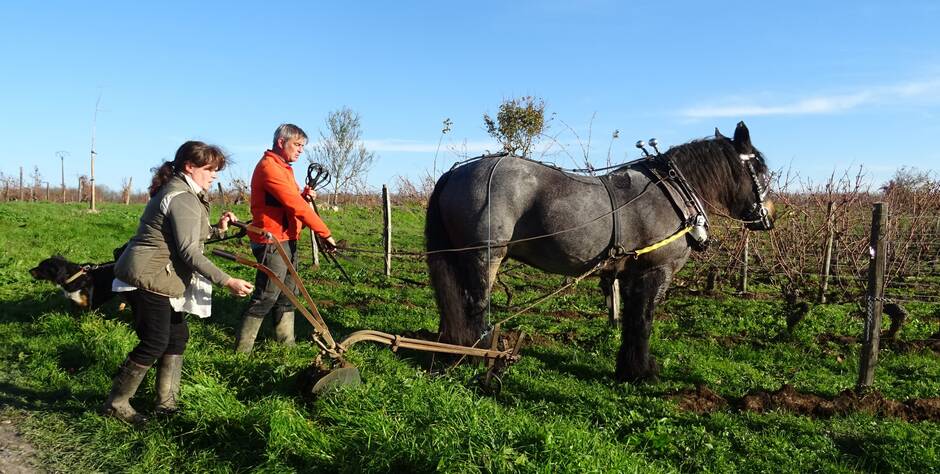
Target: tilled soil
x,y
703,400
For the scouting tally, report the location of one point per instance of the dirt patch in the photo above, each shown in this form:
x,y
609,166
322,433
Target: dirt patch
x,y
17,456
702,400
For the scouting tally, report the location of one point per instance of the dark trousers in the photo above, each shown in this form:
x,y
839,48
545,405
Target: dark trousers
x,y
267,294
160,329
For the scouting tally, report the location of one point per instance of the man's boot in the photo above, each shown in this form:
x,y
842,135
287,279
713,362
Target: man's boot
x,y
168,384
246,336
284,328
124,386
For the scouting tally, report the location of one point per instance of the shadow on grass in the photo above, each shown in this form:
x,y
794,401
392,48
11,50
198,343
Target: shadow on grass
x,y
27,309
594,370
60,400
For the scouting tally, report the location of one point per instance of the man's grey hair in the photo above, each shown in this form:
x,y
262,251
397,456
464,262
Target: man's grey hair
x,y
288,131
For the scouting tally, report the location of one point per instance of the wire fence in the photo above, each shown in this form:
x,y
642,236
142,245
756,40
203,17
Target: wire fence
x,y
822,251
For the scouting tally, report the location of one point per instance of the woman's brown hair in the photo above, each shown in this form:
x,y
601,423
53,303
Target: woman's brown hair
x,y
195,152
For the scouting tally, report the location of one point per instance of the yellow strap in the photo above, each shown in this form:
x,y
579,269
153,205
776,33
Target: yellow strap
x,y
662,243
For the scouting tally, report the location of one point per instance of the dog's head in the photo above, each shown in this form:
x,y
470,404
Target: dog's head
x,y
55,269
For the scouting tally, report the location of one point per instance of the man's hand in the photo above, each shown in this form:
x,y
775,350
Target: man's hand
x,y
309,194
329,245
227,216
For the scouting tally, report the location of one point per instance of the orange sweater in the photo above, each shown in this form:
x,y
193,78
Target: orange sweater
x,y
276,203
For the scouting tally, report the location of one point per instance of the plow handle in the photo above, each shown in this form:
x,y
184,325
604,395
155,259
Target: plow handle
x,y
225,255
248,228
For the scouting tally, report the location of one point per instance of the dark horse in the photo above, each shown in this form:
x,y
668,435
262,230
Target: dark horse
x,y
508,207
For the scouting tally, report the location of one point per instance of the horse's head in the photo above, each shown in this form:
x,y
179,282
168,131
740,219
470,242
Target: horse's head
x,y
751,203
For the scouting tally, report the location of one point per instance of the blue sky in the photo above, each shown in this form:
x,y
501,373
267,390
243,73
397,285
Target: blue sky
x,y
823,86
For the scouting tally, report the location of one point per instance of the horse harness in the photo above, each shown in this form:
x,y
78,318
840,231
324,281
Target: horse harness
x,y
680,193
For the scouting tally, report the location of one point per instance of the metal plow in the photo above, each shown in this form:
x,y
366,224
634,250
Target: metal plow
x,y
333,370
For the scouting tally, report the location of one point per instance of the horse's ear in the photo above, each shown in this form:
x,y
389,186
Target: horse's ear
x,y
718,134
742,139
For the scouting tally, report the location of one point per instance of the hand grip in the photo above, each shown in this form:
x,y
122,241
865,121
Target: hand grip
x,y
240,225
224,254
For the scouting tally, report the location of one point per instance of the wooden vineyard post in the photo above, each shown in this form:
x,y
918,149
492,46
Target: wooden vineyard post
x,y
875,299
221,193
62,162
387,234
827,255
613,303
21,184
127,191
744,262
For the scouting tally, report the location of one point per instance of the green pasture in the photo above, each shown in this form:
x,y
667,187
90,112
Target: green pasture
x,y
559,410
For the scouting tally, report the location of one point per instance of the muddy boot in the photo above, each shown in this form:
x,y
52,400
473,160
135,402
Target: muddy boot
x,y
125,384
284,328
168,384
249,331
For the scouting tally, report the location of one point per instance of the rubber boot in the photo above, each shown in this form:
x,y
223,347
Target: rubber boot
x,y
284,328
124,386
246,336
168,384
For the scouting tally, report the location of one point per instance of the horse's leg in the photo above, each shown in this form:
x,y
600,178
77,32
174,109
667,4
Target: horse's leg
x,y
640,294
477,273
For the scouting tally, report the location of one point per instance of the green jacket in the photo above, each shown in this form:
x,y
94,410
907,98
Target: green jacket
x,y
168,246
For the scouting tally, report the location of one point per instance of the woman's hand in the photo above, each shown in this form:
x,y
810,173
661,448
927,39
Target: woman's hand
x,y
239,287
227,216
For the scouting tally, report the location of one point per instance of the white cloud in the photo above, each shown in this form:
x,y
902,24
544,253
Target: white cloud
x,y
920,90
414,146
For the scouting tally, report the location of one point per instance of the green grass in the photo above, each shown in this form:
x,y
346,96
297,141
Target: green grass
x,y
559,410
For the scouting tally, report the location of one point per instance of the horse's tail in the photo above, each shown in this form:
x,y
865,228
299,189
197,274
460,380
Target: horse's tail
x,y
444,269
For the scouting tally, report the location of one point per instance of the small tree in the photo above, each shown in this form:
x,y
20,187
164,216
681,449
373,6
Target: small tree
x,y
37,183
342,152
518,124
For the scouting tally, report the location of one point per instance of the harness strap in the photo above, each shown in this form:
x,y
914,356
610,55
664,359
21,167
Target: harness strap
x,y
615,248
662,243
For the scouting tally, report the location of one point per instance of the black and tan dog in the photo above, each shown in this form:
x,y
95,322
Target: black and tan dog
x,y
87,286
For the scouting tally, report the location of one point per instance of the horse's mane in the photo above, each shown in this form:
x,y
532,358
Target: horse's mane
x,y
712,166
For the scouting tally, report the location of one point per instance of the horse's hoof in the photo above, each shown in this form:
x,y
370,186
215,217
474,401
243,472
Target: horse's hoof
x,y
649,375
638,379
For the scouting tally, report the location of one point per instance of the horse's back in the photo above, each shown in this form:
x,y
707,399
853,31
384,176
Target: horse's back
x,y
511,199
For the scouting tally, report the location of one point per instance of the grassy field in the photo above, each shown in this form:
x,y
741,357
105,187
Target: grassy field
x,y
559,410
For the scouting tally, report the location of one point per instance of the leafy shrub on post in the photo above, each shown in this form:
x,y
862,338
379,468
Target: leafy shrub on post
x,y
518,124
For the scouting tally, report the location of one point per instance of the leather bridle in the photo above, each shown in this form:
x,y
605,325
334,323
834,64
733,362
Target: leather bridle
x,y
758,214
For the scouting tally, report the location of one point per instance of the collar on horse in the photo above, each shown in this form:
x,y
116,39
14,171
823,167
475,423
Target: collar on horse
x,y
683,198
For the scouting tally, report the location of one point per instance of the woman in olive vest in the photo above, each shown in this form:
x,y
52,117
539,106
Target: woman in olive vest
x,y
165,274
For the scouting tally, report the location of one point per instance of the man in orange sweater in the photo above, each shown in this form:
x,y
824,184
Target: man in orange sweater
x,y
280,207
